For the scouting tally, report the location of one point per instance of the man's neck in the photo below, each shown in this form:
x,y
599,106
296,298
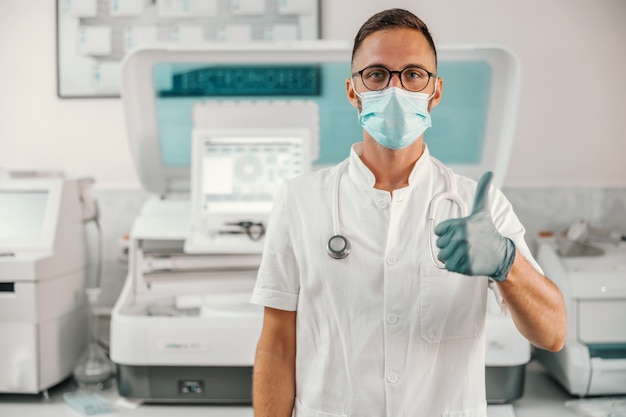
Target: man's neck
x,y
391,168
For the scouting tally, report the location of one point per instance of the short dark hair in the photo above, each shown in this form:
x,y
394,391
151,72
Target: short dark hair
x,y
392,18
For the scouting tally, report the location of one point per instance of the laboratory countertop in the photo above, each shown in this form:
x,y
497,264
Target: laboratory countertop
x,y
543,397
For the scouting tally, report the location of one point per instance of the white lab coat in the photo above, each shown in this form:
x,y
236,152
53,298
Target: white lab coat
x,y
382,332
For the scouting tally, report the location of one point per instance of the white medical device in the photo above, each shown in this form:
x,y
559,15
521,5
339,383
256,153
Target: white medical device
x,y
183,328
593,360
582,232
241,153
205,125
235,176
43,316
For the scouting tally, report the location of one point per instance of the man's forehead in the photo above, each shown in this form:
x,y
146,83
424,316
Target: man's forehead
x,y
409,46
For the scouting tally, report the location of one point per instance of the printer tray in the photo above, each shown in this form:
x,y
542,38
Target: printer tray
x,y
202,384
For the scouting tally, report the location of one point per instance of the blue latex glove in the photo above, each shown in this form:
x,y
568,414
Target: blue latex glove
x,y
472,245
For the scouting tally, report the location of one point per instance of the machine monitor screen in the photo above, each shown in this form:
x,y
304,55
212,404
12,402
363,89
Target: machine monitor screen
x,y
239,171
458,123
22,214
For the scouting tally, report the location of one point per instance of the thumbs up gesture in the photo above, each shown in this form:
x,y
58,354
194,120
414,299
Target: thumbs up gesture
x,y
472,245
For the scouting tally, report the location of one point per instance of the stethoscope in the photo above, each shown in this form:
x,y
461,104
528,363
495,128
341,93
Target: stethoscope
x,y
338,246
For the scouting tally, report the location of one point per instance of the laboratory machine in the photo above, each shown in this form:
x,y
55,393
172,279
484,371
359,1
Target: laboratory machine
x,y
213,132
43,316
593,282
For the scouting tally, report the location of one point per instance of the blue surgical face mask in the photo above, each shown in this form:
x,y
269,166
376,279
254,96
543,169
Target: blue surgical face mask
x,y
394,117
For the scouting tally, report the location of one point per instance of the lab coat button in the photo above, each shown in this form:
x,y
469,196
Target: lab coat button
x,y
382,203
392,378
391,260
392,319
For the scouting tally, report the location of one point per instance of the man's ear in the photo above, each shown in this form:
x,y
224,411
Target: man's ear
x,y
437,97
351,94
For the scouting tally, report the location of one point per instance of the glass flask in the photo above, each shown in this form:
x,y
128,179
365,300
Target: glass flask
x,y
94,368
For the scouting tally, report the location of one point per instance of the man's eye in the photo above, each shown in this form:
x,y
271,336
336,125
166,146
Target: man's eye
x,y
414,74
376,74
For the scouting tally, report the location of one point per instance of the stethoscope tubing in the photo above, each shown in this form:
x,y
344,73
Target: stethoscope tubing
x,y
343,250
451,195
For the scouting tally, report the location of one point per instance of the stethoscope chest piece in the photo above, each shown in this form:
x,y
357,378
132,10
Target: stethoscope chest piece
x,y
338,247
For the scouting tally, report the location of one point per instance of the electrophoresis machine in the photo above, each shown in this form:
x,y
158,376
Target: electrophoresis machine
x,y
213,133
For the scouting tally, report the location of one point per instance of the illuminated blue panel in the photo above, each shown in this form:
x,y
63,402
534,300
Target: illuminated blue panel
x,y
459,121
457,135
338,119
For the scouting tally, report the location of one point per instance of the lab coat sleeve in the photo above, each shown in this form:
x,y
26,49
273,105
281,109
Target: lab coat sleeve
x,y
278,283
509,225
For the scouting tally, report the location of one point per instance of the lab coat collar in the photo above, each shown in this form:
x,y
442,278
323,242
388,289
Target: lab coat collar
x,y
363,177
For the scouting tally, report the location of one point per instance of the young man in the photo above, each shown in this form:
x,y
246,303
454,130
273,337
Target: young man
x,y
381,331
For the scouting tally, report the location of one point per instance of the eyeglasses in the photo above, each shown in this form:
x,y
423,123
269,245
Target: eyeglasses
x,y
377,77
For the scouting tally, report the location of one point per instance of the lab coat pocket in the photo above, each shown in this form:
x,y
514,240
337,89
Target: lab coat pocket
x,y
452,305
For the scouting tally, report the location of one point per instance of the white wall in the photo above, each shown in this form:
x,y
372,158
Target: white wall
x,y
572,120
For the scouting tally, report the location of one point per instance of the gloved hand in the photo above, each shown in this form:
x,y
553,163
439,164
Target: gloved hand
x,y
472,245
